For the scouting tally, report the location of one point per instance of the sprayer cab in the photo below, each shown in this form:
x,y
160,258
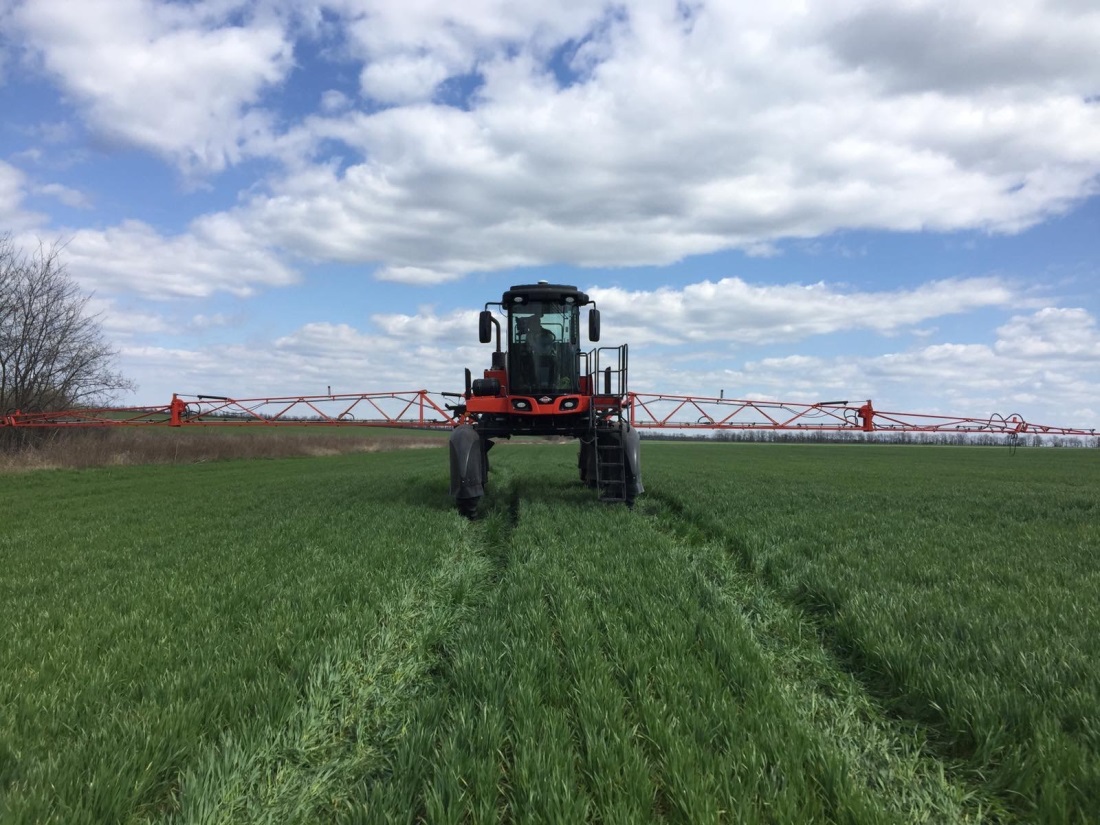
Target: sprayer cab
x,y
543,355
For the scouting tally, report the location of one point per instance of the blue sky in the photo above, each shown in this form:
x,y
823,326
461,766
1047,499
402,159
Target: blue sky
x,y
863,200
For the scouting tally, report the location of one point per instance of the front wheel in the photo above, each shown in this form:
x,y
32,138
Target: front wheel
x,y
467,507
469,468
586,462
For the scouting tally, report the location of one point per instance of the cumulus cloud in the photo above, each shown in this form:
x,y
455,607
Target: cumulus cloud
x,y
65,194
652,137
595,135
13,190
962,48
600,136
408,50
123,322
333,100
179,80
203,321
1052,333
415,275
731,310
212,257
403,79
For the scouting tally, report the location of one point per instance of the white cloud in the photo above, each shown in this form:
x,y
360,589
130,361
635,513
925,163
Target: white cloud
x,y
961,47
333,101
125,322
202,321
1052,333
732,130
415,275
731,310
161,76
597,135
13,191
403,79
408,48
65,194
454,329
214,256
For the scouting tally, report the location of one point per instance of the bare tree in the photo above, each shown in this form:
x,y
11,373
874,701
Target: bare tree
x,y
52,352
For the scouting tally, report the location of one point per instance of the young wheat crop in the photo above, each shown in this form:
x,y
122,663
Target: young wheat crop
x,y
772,634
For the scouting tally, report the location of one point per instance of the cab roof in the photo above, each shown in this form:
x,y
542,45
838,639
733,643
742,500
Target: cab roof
x,y
543,291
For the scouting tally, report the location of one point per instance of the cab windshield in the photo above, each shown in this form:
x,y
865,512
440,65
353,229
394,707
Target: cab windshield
x,y
542,351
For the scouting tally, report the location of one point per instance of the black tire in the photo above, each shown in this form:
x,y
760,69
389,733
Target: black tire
x,y
586,463
467,507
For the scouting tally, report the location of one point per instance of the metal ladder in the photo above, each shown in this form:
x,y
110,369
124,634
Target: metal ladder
x,y
606,412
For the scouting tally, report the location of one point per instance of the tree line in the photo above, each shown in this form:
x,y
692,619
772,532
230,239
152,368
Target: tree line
x,y
53,355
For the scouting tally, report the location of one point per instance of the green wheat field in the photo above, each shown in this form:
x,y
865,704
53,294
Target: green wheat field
x,y
774,633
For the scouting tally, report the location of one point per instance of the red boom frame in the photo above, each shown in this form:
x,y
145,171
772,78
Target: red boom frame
x,y
414,409
689,412
421,409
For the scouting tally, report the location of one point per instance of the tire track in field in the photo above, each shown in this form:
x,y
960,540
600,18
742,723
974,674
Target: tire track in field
x,y
592,743
499,518
355,704
884,755
663,803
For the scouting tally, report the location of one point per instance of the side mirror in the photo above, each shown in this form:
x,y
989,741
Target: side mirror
x,y
593,325
485,326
